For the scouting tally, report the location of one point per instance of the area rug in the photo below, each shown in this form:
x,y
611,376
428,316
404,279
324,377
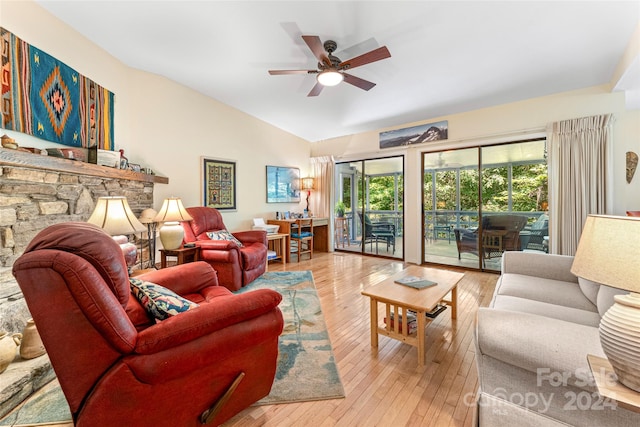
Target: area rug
x,y
306,368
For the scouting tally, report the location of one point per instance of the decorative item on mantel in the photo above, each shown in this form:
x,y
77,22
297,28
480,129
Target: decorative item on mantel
x,y
8,142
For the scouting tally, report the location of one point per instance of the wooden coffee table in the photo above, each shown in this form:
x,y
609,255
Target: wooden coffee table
x,y
400,298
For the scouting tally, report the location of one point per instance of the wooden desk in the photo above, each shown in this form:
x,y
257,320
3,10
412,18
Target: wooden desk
x,y
183,254
320,233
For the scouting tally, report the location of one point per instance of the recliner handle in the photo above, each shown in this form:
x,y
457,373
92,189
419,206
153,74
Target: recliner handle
x,y
208,415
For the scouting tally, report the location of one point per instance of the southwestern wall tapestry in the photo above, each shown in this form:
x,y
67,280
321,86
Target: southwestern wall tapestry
x,y
44,97
219,182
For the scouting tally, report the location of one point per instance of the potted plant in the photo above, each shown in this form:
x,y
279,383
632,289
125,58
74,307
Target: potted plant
x,y
340,208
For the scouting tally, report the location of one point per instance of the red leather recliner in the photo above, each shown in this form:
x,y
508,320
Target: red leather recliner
x,y
236,266
117,365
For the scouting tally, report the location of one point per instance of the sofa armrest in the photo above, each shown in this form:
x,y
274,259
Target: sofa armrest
x,y
547,266
216,245
525,340
251,236
185,278
219,313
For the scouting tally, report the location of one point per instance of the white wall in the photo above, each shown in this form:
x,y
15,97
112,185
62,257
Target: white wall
x,y
166,126
499,124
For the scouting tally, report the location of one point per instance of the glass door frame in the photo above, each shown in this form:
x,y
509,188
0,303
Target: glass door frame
x,y
480,212
355,226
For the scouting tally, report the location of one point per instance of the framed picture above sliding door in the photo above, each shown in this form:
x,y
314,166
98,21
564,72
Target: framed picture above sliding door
x,y
370,196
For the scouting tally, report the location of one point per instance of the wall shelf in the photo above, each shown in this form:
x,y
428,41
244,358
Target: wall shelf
x,y
56,164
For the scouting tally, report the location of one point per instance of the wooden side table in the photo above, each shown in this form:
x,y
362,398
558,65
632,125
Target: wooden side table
x,y
608,385
183,255
277,242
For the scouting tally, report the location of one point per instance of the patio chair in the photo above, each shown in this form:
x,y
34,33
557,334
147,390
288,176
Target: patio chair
x,y
533,236
374,232
500,233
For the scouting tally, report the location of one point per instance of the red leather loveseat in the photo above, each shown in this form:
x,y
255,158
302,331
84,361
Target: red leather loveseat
x,y
236,266
119,366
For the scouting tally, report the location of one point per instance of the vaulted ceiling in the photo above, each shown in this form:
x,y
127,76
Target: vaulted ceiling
x,y
446,57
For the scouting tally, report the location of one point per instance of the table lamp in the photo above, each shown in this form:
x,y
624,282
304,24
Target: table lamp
x,y
115,217
172,213
608,254
307,185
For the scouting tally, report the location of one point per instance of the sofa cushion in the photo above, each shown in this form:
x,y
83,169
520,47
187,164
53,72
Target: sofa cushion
x,y
605,298
159,301
568,314
544,290
589,289
224,235
532,342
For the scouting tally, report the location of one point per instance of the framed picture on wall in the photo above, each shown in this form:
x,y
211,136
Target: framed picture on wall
x,y
219,184
283,184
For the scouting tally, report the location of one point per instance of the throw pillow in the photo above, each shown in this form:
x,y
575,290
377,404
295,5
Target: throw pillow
x,y
159,301
224,235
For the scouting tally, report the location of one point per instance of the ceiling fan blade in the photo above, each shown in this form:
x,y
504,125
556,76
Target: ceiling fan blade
x,y
280,72
316,90
316,46
366,58
358,82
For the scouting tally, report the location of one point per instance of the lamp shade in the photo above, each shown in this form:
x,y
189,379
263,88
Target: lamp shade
x,y
307,184
172,210
172,213
114,216
608,252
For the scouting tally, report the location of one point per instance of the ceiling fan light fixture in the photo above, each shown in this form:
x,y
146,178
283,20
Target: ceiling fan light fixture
x,y
330,78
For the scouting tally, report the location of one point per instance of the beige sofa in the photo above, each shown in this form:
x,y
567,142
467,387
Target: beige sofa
x,y
532,344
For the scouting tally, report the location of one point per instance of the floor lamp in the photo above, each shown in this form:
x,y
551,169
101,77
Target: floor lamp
x,y
307,185
148,218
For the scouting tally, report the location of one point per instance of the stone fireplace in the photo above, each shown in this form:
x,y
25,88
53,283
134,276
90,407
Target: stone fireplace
x,y
37,191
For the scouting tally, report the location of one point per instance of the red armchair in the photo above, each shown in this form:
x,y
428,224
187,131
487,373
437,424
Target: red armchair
x,y
236,266
119,366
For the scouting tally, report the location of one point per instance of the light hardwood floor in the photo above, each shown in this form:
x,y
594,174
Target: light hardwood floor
x,y
385,387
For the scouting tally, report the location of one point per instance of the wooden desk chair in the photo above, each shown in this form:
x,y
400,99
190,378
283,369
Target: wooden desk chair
x,y
302,237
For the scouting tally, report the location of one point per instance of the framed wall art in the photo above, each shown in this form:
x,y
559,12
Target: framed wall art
x,y
415,135
283,184
219,183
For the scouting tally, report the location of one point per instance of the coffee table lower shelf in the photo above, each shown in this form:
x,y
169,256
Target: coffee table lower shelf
x,y
399,299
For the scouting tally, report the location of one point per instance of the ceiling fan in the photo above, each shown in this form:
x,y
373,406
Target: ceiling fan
x,y
331,70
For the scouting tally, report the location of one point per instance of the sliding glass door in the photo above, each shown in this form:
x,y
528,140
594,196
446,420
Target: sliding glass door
x,y
480,202
371,193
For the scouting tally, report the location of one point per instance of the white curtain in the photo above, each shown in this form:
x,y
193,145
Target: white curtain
x,y
322,195
579,156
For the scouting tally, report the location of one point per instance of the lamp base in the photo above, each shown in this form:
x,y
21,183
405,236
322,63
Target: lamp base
x,y
620,338
171,235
